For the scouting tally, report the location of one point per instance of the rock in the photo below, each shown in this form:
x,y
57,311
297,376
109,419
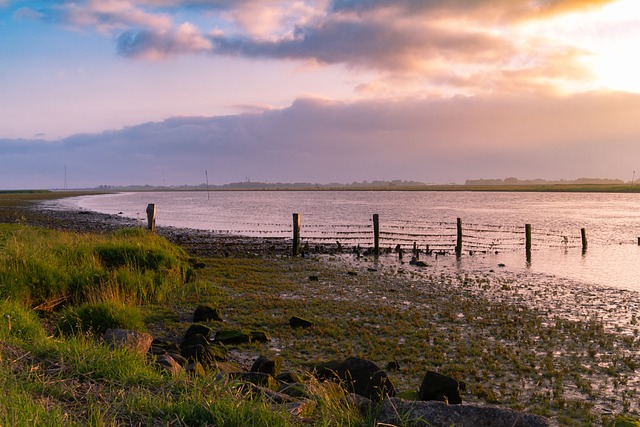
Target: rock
x,y
326,370
139,342
267,366
197,348
232,336
299,322
196,329
289,378
365,378
396,411
205,354
297,390
364,405
313,278
418,263
259,336
204,313
166,362
440,387
194,340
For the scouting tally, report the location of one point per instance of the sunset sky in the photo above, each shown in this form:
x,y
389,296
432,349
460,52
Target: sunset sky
x,y
439,91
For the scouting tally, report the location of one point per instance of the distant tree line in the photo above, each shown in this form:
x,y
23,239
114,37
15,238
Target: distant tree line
x,y
516,181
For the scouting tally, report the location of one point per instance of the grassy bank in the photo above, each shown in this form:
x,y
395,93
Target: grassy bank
x,y
58,293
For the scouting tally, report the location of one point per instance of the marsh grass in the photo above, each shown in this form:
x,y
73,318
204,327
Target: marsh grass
x,y
44,268
475,328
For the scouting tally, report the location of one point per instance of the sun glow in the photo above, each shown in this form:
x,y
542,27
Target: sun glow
x,y
608,37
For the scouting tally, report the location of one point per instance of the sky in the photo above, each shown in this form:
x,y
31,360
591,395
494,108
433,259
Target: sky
x,y
166,92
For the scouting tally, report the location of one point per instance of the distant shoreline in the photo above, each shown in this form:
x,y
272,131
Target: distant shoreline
x,y
542,188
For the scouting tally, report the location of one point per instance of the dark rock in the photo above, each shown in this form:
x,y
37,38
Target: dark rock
x,y
205,313
313,278
365,378
194,340
440,387
167,363
418,263
299,322
289,378
157,351
267,366
232,337
182,361
297,390
396,411
365,406
259,336
326,370
205,354
139,342
198,329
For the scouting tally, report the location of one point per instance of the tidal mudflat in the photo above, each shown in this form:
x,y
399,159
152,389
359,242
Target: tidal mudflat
x,y
529,342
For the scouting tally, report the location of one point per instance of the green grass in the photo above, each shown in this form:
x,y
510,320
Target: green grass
x,y
44,268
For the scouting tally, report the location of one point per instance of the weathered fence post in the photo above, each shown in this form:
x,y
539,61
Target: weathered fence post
x,y
583,233
527,241
151,217
376,234
296,234
459,240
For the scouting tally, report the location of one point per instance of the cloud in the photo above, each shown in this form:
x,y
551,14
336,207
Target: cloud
x,y
501,10
319,140
160,44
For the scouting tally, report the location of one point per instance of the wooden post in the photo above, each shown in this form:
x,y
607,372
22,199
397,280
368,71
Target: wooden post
x,y
376,234
459,240
527,241
151,217
583,233
296,234
527,238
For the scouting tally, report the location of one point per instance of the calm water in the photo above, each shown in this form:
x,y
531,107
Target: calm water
x,y
492,222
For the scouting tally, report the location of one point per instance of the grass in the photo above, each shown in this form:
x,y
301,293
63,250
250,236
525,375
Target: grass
x,y
44,268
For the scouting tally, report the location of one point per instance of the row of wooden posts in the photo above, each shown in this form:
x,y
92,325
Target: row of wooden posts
x,y
458,248
151,225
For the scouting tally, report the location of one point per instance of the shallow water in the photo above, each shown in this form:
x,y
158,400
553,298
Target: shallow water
x,y
492,222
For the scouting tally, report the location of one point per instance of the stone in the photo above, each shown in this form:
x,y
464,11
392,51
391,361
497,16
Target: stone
x,y
205,313
232,336
205,354
138,342
299,322
198,329
440,387
396,411
366,379
166,362
194,340
259,336
267,366
326,370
